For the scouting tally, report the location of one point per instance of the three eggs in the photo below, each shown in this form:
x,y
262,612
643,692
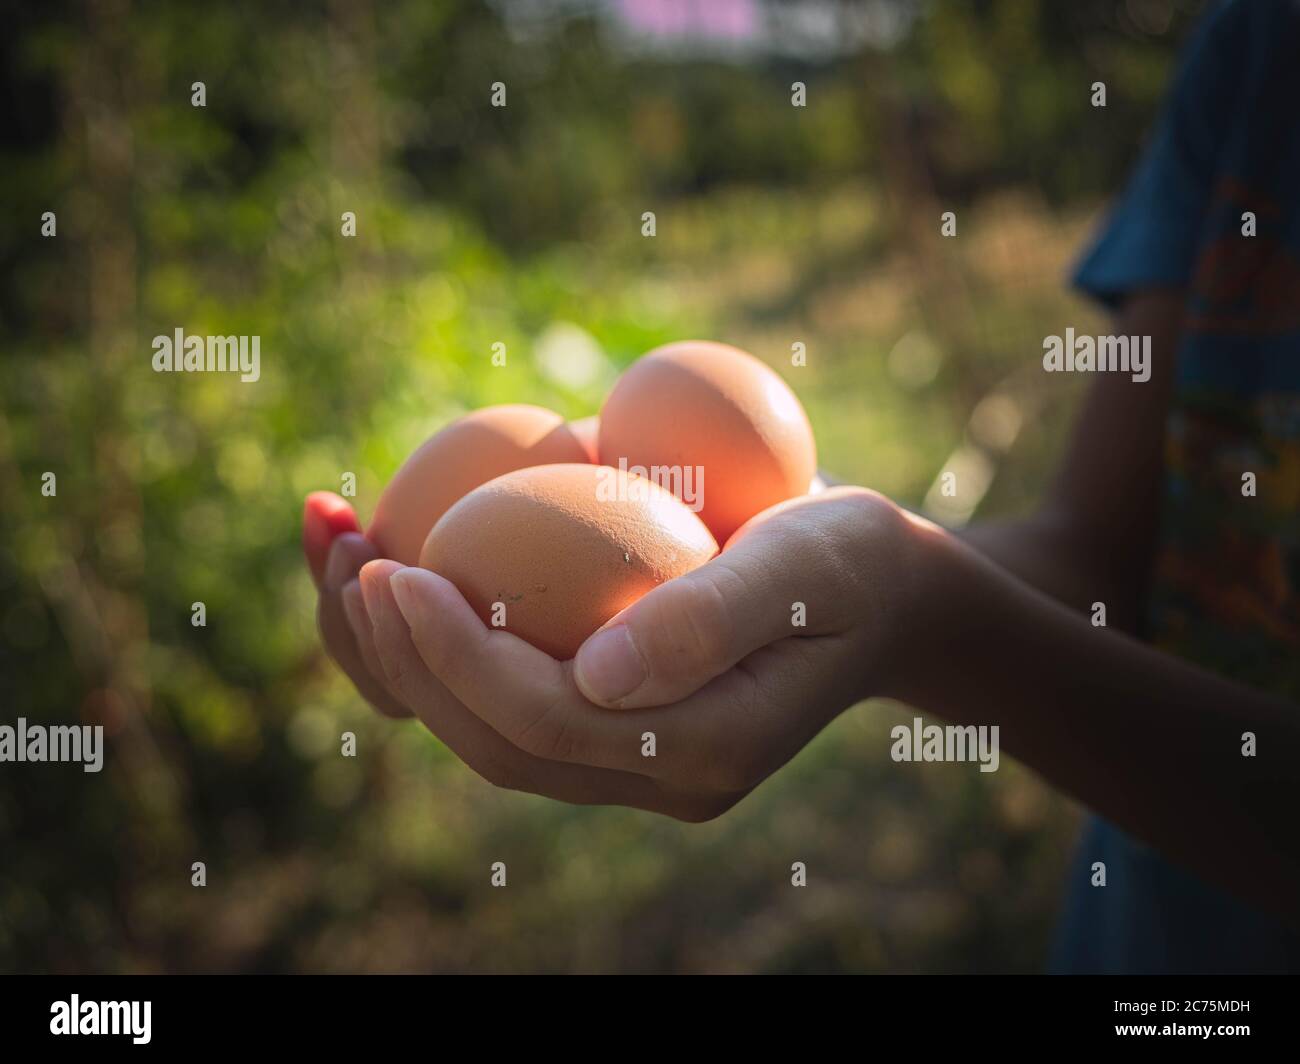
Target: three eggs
x,y
549,529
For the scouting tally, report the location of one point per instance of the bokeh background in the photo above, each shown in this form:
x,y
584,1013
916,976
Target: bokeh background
x,y
522,224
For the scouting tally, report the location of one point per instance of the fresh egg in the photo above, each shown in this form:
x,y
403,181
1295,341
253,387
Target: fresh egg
x,y
468,452
553,552
587,430
713,424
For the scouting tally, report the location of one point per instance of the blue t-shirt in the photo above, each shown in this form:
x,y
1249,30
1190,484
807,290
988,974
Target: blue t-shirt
x,y
1223,163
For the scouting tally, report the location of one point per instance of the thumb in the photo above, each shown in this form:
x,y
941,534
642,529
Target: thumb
x,y
683,633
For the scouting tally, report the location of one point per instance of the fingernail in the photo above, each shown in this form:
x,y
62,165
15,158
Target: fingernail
x,y
608,666
403,593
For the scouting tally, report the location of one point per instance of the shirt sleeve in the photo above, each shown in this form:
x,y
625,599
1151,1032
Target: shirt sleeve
x,y
1152,233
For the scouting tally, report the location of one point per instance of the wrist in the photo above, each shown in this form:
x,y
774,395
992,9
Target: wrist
x,y
921,605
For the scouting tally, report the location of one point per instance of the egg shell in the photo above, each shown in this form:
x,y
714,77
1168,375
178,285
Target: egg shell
x,y
454,461
564,548
725,425
587,430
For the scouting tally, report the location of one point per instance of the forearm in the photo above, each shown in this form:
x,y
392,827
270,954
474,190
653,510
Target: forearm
x,y
1045,551
1148,741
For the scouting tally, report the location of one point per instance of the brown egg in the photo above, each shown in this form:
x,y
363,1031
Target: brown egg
x,y
468,452
555,551
714,425
587,430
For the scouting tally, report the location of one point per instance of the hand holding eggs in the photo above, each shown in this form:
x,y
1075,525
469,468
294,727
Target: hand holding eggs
x,y
549,530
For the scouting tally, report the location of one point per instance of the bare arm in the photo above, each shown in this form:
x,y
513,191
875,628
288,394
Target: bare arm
x,y
1152,743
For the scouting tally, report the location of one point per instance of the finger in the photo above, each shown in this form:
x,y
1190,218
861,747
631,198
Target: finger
x,y
354,608
476,742
325,516
349,552
712,743
523,693
683,633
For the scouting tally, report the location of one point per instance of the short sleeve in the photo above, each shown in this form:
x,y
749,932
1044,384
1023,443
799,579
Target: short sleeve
x,y
1151,235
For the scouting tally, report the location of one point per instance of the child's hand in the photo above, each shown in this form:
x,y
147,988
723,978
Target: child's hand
x,y
715,664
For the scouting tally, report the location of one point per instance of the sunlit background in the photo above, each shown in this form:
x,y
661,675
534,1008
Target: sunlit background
x,y
521,225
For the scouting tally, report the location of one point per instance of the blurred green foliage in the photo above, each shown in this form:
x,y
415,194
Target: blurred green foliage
x,y
478,225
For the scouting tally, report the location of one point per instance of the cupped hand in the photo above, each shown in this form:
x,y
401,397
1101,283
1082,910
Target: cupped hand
x,y
683,702
336,551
